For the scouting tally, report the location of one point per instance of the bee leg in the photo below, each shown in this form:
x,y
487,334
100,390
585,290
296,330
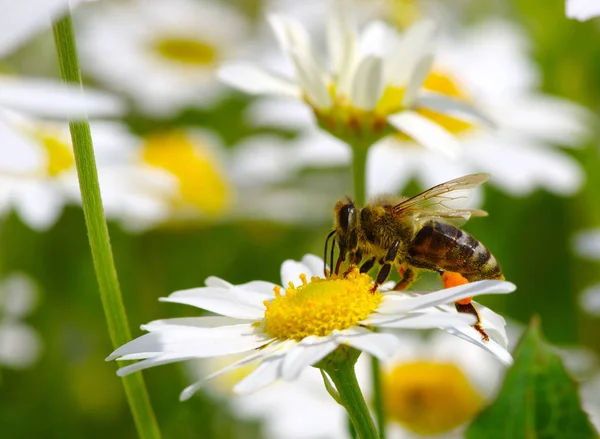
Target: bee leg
x,y
408,277
470,309
366,267
386,267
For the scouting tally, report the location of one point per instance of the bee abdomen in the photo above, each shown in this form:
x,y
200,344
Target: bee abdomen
x,y
449,248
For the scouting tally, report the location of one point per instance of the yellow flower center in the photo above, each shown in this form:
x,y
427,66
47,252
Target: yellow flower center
x,y
430,398
320,306
345,120
186,51
59,153
202,184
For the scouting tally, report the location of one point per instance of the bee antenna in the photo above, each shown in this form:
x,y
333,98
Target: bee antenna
x,y
332,253
325,251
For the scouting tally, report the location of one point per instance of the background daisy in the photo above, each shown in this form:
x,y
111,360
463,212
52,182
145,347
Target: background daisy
x,y
163,55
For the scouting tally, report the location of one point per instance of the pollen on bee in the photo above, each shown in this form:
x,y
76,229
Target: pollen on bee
x,y
452,279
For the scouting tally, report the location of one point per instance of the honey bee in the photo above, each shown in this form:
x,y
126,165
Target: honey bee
x,y
418,233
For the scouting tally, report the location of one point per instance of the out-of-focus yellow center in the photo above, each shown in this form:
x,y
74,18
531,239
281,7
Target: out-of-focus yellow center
x,y
202,183
391,99
320,306
403,13
59,153
186,51
430,398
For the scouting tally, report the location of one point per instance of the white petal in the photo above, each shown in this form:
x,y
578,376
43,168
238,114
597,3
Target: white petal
x,y
341,41
193,388
285,114
21,20
401,61
268,371
415,82
380,345
447,105
418,320
313,81
426,132
195,322
367,84
307,352
48,98
399,303
314,265
18,152
229,301
469,334
582,10
291,271
254,80
39,205
189,339
291,34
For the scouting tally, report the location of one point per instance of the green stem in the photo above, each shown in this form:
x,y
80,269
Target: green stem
x,y
378,407
104,266
359,172
345,381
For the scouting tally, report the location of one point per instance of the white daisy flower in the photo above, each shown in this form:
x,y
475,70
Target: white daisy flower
x,y
163,54
20,345
519,152
489,65
288,329
449,382
371,89
582,10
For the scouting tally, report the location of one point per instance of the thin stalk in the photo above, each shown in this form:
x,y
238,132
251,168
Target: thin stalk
x,y
352,399
95,221
359,172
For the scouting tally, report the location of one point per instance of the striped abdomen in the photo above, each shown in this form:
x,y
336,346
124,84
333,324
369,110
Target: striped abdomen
x,y
447,247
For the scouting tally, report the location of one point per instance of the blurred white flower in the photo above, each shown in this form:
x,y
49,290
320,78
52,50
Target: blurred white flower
x,y
285,336
488,65
299,409
435,385
582,10
19,344
163,54
372,88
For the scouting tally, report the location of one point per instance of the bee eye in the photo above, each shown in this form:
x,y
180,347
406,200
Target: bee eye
x,y
346,216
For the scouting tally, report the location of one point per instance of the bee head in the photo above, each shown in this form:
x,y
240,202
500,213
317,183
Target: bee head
x,y
345,216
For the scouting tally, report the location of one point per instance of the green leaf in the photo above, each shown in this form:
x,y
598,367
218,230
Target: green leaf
x,y
538,399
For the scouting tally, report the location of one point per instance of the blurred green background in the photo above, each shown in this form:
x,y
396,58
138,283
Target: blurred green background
x,y
72,393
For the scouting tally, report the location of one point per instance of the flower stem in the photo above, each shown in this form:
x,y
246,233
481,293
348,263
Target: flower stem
x,y
104,266
344,378
359,172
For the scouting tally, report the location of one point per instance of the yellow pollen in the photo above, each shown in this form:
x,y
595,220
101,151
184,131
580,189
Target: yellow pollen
x,y
186,51
202,183
320,306
430,398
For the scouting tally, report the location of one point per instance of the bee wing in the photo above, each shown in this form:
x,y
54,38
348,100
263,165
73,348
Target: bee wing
x,y
456,217
447,197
